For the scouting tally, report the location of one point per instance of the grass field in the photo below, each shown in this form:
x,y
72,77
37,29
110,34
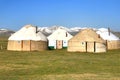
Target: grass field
x,y
59,65
3,43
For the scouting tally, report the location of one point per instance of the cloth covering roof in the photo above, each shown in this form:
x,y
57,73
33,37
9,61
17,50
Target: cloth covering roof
x,y
28,32
106,35
60,34
87,35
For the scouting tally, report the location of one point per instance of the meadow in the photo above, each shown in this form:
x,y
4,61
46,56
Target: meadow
x,y
59,65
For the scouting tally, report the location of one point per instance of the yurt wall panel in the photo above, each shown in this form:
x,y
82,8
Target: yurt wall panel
x,y
52,44
26,45
14,45
100,47
38,45
76,46
113,44
118,44
65,43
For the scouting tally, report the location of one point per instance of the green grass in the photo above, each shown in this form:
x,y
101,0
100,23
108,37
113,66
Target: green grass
x,y
3,43
59,65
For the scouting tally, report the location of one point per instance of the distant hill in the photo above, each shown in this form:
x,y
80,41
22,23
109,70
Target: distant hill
x,y
117,34
6,33
48,30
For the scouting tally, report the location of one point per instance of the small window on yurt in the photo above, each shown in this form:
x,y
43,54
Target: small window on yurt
x,y
19,41
83,43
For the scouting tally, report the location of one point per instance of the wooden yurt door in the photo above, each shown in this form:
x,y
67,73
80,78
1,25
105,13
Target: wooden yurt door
x,y
90,47
59,44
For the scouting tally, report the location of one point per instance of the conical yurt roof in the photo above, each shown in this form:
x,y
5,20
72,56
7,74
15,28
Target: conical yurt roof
x,y
60,34
28,32
87,35
106,35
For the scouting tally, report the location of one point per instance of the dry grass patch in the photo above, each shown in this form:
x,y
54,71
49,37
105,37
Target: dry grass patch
x,y
85,76
16,67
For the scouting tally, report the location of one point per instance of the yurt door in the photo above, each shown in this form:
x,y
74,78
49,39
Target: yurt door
x,y
59,44
90,47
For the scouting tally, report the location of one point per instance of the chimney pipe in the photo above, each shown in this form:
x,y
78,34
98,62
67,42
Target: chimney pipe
x,y
36,29
66,34
108,31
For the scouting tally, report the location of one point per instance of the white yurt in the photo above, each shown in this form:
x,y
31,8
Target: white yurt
x,y
59,39
113,42
27,39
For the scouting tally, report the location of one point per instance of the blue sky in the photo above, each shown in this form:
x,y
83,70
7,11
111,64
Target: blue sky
x,y
69,13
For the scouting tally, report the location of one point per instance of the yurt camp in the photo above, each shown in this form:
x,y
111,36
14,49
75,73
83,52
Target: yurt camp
x,y
59,39
27,38
87,40
113,42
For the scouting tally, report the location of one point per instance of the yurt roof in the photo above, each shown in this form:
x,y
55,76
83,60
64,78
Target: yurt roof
x,y
106,35
87,35
28,32
60,34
